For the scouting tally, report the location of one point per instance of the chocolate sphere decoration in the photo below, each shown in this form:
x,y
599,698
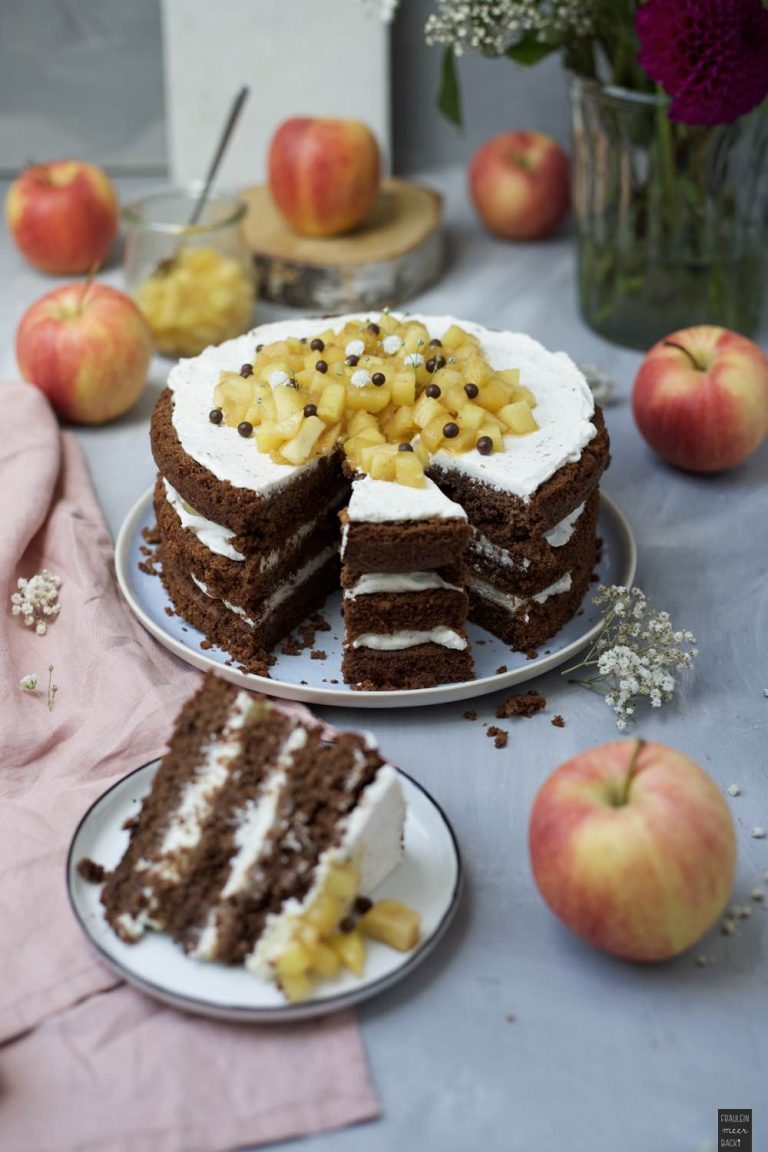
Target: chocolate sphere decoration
x,y
245,428
450,430
485,445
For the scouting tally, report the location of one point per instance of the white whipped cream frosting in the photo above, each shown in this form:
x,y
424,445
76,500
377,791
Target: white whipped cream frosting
x,y
215,537
409,638
372,583
383,501
513,603
563,412
562,532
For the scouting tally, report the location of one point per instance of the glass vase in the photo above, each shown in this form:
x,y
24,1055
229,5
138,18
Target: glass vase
x,y
671,219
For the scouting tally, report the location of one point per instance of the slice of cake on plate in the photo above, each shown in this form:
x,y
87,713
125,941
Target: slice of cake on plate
x,y
405,587
262,833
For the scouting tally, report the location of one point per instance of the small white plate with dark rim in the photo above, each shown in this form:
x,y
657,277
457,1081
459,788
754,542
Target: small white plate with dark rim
x,y
320,681
429,878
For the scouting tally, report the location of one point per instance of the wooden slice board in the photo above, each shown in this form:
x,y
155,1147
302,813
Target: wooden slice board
x,y
395,253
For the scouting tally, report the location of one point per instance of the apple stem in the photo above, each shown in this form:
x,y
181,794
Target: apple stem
x,y
691,357
86,288
631,772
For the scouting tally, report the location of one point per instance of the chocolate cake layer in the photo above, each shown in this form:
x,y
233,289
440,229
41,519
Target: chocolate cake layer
x,y
402,546
529,566
532,622
505,518
305,494
399,611
229,631
422,666
244,582
127,896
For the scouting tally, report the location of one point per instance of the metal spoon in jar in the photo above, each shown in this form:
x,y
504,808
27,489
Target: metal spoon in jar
x,y
167,265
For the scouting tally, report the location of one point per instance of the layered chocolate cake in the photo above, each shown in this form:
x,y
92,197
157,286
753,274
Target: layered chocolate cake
x,y
405,587
258,441
262,830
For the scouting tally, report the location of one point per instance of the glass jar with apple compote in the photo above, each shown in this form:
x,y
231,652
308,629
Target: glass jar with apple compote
x,y
195,283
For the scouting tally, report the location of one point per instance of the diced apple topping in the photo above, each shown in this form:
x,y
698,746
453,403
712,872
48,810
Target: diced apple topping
x,y
393,923
329,935
199,297
385,390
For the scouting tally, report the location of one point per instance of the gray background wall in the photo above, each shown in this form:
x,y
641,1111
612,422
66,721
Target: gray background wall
x,y
85,78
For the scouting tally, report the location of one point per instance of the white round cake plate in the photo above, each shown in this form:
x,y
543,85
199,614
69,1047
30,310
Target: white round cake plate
x,y
429,879
320,681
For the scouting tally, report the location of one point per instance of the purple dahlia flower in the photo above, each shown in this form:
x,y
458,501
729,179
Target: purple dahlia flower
x,y
709,56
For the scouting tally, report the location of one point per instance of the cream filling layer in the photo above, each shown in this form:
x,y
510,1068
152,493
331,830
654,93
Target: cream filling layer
x,y
373,583
409,638
511,603
277,597
557,537
371,837
215,537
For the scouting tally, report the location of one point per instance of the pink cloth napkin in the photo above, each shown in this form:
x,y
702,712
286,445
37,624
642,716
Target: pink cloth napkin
x,y
85,1061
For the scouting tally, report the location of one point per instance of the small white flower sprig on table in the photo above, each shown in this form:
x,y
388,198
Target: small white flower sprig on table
x,y
29,684
37,602
637,654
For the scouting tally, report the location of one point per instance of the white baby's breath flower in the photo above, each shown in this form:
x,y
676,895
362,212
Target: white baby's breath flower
x,y
360,378
280,379
392,344
37,600
637,654
355,348
491,26
28,683
414,359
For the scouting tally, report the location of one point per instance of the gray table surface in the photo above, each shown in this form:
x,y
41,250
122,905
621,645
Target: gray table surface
x,y
515,1035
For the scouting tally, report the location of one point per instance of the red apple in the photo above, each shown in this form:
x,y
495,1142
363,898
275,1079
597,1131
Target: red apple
x,y
700,398
633,847
520,185
63,216
324,174
88,347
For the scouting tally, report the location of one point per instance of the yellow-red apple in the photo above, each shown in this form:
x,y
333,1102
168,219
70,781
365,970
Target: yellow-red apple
x,y
324,174
519,184
63,216
88,347
633,847
700,398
